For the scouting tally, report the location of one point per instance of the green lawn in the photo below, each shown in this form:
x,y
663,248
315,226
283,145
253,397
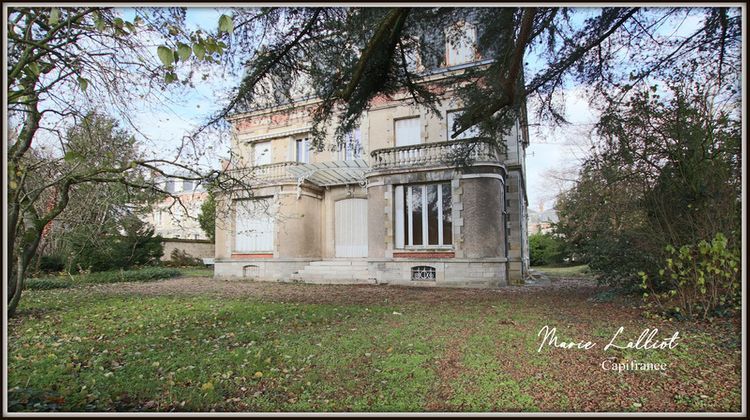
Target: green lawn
x,y
196,271
564,271
286,347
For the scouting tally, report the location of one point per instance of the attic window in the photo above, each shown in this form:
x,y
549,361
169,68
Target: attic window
x,y
461,44
423,273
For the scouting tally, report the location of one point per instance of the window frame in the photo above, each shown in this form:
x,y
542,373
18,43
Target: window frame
x,y
305,149
256,155
404,223
351,149
449,126
472,44
419,131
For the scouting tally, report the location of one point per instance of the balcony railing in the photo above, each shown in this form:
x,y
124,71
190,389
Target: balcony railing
x,y
265,173
447,153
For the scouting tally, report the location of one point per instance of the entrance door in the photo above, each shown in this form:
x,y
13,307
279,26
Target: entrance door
x,y
351,228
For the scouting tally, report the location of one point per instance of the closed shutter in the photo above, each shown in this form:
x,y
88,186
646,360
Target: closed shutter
x,y
408,132
461,50
254,226
351,228
262,153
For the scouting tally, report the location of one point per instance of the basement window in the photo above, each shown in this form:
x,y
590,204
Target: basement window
x,y
423,273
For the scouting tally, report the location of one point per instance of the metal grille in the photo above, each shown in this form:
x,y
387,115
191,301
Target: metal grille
x,y
423,272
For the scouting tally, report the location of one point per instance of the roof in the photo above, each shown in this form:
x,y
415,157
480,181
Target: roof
x,y
325,174
546,216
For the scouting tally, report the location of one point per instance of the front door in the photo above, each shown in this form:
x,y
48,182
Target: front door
x,y
351,228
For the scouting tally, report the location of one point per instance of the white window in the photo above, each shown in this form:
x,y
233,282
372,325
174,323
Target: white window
x,y
254,225
461,44
451,120
262,153
303,150
351,148
424,215
408,131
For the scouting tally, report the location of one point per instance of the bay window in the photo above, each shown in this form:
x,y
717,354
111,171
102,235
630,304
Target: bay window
x,y
424,216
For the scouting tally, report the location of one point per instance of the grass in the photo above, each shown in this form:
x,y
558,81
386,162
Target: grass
x,y
141,274
196,271
564,271
70,350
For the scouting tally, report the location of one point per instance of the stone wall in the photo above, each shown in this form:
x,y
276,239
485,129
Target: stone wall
x,y
485,272
197,248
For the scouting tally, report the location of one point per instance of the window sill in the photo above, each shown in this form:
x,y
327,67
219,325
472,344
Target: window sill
x,y
250,255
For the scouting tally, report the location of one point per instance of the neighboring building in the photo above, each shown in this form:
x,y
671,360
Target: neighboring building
x,y
541,221
383,208
172,220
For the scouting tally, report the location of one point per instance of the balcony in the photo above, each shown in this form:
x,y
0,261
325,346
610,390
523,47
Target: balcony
x,y
448,153
264,174
466,152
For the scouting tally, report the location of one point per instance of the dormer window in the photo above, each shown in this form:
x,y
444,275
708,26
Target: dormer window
x,y
461,44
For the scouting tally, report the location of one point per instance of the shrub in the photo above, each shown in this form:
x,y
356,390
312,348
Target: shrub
x,y
51,263
617,259
545,249
102,277
137,247
697,280
47,283
180,258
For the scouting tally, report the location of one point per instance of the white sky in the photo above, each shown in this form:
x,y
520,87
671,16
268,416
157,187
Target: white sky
x,y
550,154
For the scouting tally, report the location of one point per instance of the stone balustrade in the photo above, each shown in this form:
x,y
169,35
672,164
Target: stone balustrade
x,y
447,153
265,173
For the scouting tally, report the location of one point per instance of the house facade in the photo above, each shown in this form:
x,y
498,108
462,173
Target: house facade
x,y
542,221
179,219
387,206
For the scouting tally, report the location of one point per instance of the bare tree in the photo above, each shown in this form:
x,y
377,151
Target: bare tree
x,y
62,64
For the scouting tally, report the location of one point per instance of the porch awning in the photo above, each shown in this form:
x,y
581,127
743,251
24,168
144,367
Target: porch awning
x,y
326,174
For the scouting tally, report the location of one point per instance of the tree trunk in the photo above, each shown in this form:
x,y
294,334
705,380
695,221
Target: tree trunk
x,y
16,279
17,275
